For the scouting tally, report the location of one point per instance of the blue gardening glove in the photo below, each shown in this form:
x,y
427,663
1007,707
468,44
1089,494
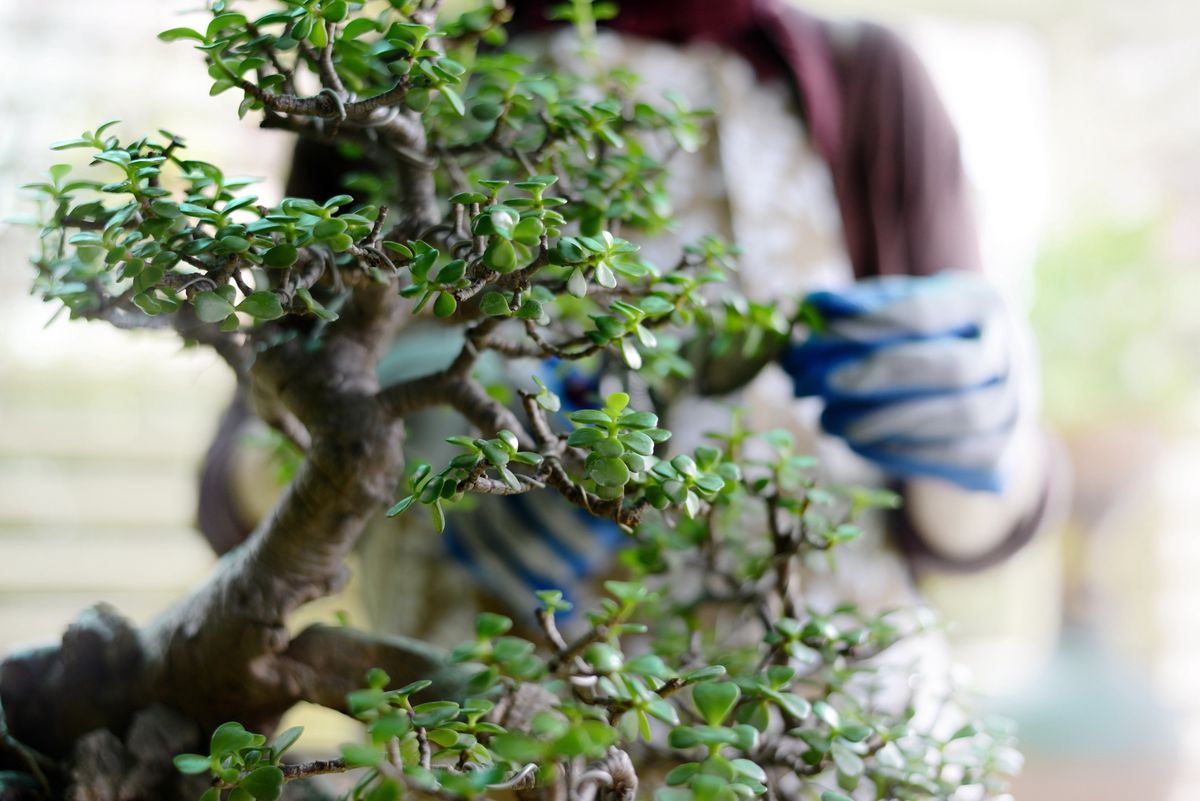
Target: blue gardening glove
x,y
915,373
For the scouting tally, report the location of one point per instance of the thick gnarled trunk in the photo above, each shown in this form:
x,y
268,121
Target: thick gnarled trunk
x,y
101,714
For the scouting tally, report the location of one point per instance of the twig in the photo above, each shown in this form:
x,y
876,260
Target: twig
x,y
423,745
627,517
546,439
318,767
289,82
492,486
329,76
520,780
561,350
550,629
576,648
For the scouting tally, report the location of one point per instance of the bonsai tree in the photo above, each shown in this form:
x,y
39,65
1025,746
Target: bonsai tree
x,y
496,195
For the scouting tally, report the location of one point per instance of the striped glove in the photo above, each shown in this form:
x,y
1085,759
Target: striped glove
x,y
916,375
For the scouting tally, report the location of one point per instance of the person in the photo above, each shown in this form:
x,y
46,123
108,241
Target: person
x,y
831,161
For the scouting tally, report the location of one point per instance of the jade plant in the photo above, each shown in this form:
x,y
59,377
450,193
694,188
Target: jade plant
x,y
506,198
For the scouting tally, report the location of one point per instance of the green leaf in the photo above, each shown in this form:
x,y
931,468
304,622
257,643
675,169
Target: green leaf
x,y
577,284
616,402
194,210
684,464
609,472
360,755
192,763
265,783
530,310
396,247
662,709
529,231
444,738
67,144
585,437
630,354
745,737
362,702
400,507
751,770
715,700
455,99
648,665
175,34
969,730
285,740
313,306
282,255
230,737
518,747
593,416
335,11
793,704
391,725
590,737
673,794
827,713
855,732
846,761
445,305
691,736
500,256
358,26
495,304
489,625
707,673
638,442
414,687
682,773
439,516
829,795
378,678
603,657
337,200
261,305
318,36
434,713
329,228
165,208
211,307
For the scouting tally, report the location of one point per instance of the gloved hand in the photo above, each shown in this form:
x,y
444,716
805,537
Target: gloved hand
x,y
916,374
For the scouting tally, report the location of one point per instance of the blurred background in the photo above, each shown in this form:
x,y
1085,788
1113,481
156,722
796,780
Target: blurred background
x,y
1079,119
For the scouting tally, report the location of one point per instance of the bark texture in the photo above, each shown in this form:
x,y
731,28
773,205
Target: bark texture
x,y
113,702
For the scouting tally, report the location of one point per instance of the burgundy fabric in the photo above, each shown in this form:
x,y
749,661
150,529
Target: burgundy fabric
x,y
669,20
896,163
871,110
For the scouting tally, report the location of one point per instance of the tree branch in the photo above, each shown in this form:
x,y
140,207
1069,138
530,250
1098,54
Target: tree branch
x,y
325,663
489,415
